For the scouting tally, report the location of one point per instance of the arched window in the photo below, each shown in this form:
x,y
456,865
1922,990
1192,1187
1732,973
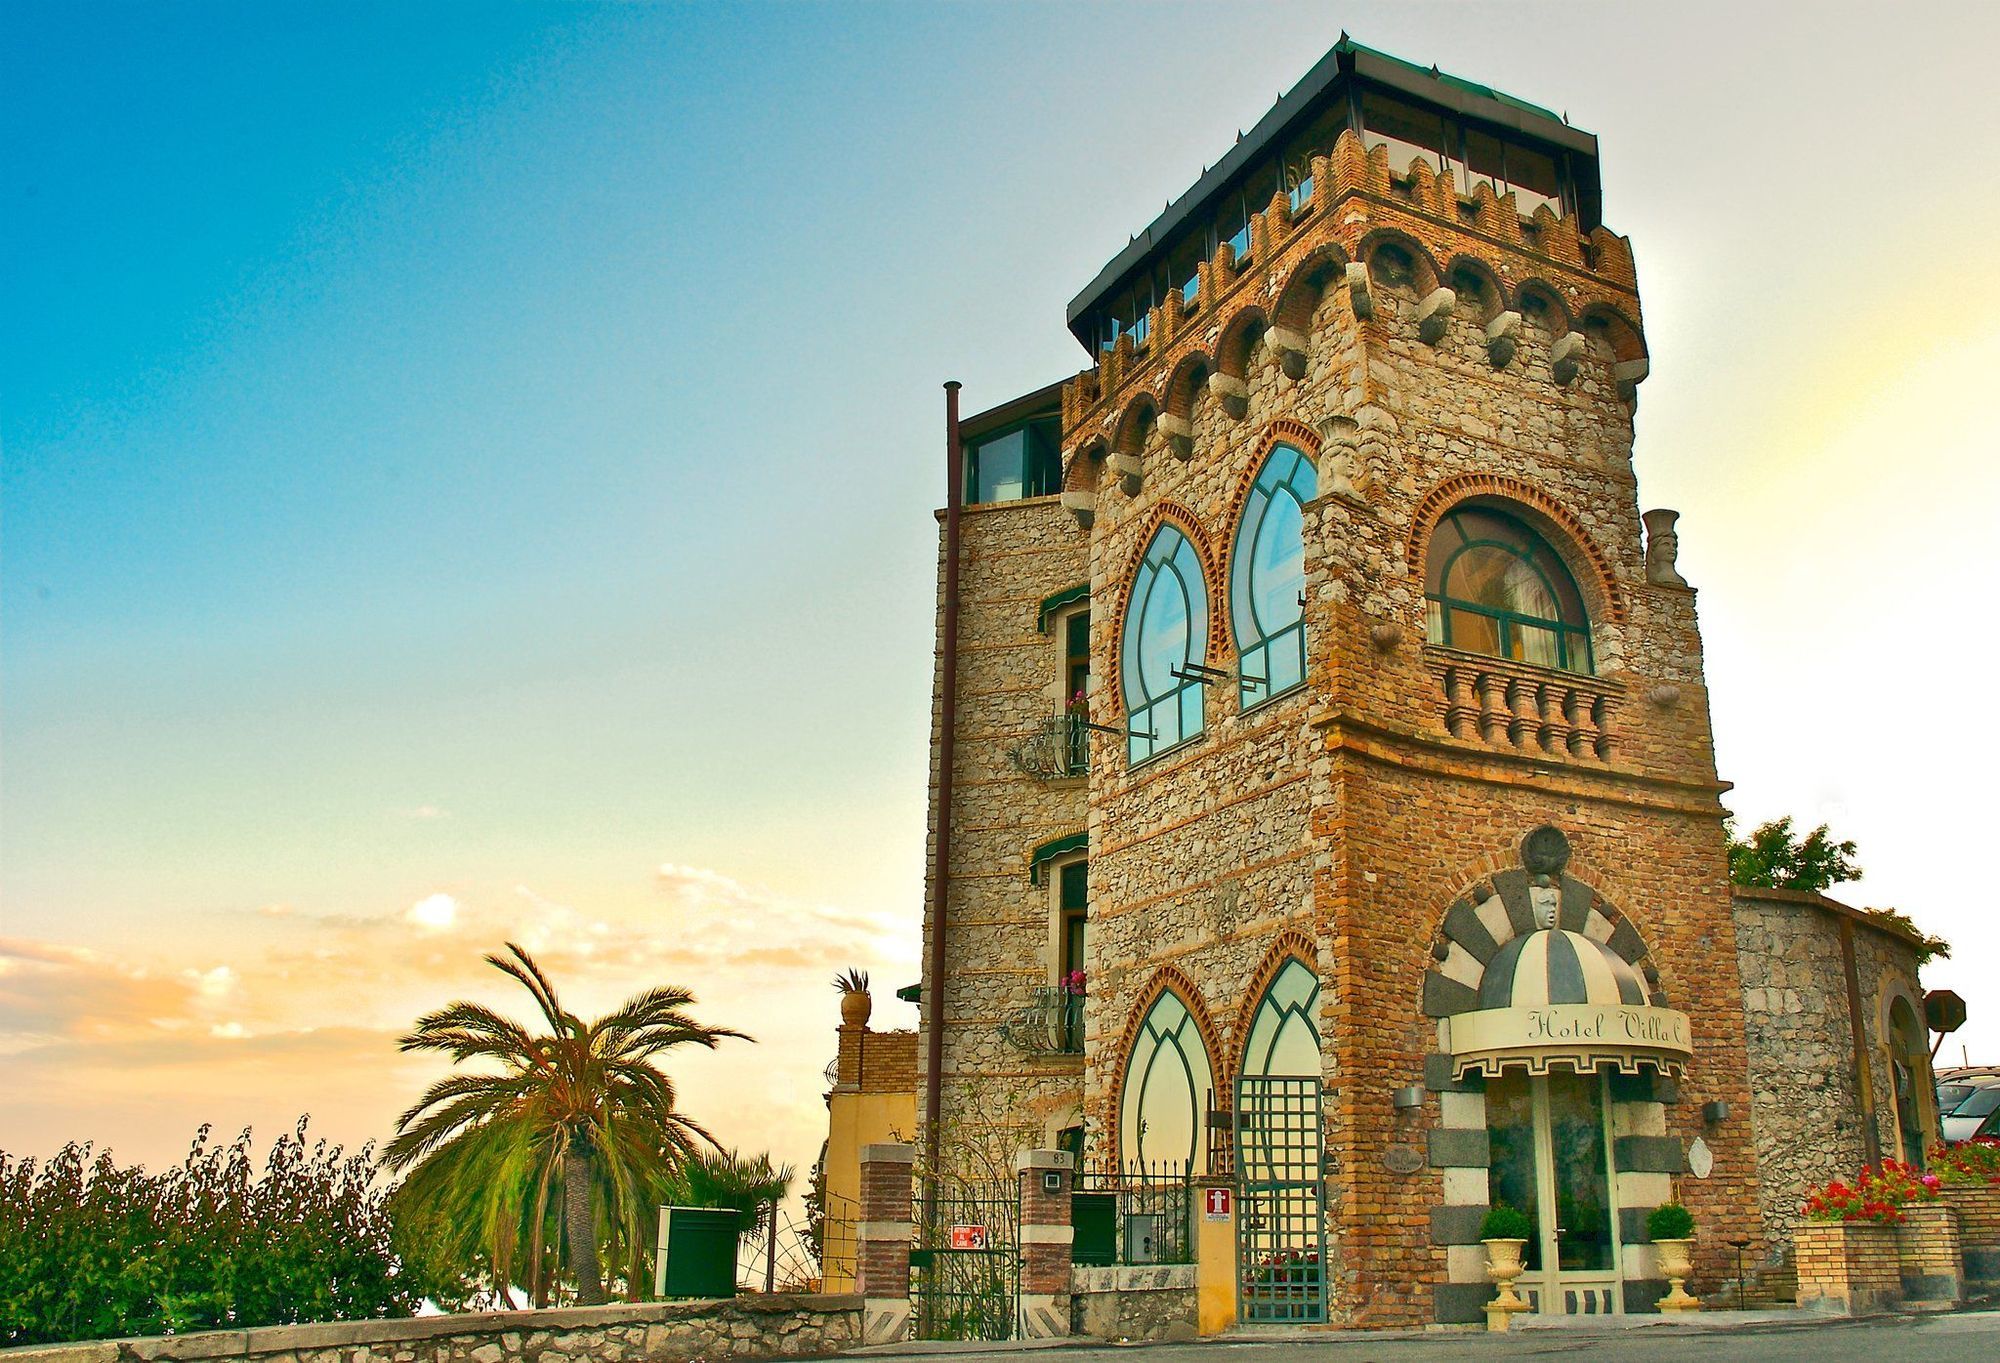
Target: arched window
x,y
1166,632
1267,577
1167,1083
1496,587
1283,1037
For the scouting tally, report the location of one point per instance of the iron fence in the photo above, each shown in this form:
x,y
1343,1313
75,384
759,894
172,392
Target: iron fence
x,y
965,1263
1133,1214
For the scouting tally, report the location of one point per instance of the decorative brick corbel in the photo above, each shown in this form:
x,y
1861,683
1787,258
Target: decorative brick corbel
x,y
1232,393
1178,434
1130,471
1290,348
1501,340
1434,314
1566,358
1360,292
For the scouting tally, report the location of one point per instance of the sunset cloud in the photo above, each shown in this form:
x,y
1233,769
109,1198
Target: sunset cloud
x,y
433,913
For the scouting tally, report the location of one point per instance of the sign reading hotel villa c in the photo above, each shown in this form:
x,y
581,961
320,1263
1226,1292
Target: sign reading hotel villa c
x,y
1568,1028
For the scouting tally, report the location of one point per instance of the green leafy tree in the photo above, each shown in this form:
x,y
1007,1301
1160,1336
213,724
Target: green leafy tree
x,y
93,1250
585,1100
1771,858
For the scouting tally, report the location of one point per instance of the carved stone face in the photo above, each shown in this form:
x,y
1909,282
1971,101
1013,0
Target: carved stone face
x,y
1547,901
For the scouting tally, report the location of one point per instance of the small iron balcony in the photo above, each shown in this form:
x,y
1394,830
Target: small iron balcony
x,y
1059,749
1051,1024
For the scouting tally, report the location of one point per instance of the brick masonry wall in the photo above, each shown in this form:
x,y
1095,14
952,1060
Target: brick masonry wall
x,y
1847,1267
653,1332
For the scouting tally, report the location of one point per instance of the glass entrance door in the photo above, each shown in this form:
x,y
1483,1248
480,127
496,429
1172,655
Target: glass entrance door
x,y
1551,1157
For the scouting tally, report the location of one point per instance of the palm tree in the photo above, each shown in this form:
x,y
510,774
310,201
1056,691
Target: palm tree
x,y
585,1099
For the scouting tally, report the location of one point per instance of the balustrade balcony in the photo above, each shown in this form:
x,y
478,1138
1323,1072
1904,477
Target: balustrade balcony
x,y
1508,704
1060,748
1051,1024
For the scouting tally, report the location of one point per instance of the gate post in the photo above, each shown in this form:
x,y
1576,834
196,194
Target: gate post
x,y
1046,1178
1216,1307
882,1249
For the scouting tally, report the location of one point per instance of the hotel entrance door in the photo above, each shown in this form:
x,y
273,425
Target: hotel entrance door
x,y
1552,1159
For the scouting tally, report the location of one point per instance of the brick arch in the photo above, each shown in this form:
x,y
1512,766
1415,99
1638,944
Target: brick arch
x,y
1426,275
1299,298
1620,331
1181,389
1491,286
1232,343
1167,979
1124,437
1551,297
1283,430
1185,521
1085,467
1289,945
1603,596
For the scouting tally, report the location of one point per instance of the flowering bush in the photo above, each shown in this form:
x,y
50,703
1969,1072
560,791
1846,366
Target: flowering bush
x,y
1975,1161
1878,1195
1072,983
1286,1267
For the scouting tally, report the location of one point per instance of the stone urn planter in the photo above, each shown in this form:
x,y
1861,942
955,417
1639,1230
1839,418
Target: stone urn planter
x,y
1927,1253
1676,1266
1847,1267
1978,1208
855,1004
1503,1265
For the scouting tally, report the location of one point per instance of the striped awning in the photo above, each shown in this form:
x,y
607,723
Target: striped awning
x,y
1556,998
1557,966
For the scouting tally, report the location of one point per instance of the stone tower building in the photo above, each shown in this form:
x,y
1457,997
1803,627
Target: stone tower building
x,y
1332,802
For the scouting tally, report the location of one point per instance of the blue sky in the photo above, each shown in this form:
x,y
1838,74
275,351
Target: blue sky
x,y
488,451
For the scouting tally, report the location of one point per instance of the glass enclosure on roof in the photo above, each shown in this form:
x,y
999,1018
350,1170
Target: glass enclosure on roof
x,y
1024,460
1474,150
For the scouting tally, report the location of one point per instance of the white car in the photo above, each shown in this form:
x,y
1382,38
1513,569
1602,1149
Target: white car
x,y
1962,1122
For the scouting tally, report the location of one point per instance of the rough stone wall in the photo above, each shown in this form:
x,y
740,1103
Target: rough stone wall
x,y
774,1326
1134,1302
1808,1107
999,1099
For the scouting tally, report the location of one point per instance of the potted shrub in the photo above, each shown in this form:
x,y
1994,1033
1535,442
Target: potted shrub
x,y
1670,1227
855,1004
1504,1232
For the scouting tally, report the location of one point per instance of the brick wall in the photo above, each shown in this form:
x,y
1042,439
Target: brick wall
x,y
1850,1267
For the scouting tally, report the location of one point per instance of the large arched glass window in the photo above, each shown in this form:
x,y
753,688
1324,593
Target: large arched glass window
x,y
1267,577
1166,633
1283,1037
1496,587
1167,1083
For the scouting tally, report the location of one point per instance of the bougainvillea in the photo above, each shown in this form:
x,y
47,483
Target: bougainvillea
x,y
1877,1195
1974,1161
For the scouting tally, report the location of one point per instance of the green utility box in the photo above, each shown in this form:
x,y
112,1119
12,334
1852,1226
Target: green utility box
x,y
1094,1222
697,1252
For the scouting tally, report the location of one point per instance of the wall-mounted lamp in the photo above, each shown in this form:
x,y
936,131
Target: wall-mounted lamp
x,y
1715,1113
1406,1099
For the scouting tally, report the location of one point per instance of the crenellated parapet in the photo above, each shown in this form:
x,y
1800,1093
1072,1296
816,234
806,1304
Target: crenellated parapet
x,y
1366,226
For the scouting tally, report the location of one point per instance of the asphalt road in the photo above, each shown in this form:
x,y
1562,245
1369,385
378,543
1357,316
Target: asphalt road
x,y
1963,1337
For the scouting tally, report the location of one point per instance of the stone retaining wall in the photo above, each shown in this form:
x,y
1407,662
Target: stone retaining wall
x,y
778,1325
1138,1301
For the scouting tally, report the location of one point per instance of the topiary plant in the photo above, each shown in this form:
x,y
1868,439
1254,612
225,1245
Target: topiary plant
x,y
1506,1223
1669,1221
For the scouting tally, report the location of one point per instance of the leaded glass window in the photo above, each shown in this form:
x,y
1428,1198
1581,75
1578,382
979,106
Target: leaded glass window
x,y
1166,632
1267,577
1167,1084
1283,1037
1496,587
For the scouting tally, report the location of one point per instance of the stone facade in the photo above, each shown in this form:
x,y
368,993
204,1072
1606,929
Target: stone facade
x,y
1137,1301
774,1326
1427,348
1815,1107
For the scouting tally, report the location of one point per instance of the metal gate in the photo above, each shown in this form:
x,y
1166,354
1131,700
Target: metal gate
x,y
1281,1227
965,1263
